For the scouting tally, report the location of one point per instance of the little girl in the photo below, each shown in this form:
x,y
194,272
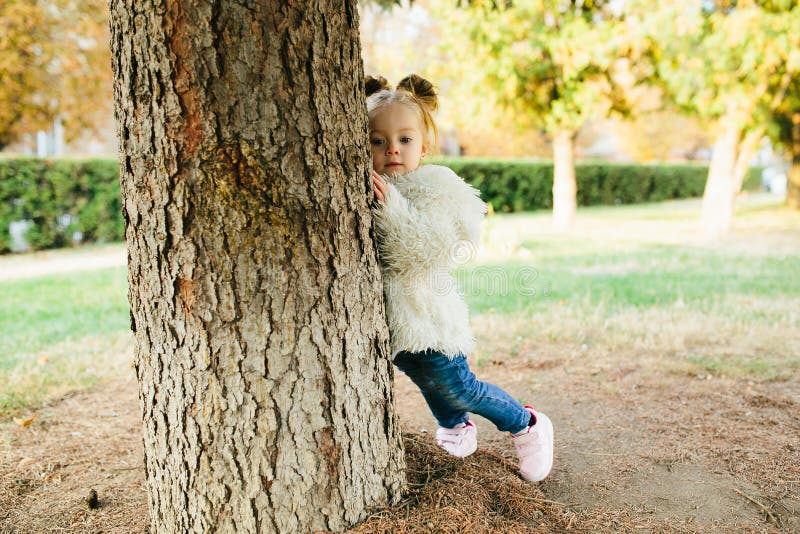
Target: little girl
x,y
426,218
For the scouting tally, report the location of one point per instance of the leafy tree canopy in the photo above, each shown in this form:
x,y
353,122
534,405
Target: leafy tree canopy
x,y
550,61
54,61
732,59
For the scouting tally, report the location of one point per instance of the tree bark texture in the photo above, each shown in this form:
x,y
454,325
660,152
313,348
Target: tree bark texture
x,y
565,189
720,192
256,298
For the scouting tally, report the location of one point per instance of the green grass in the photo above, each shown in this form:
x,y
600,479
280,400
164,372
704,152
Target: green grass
x,y
650,276
632,282
746,366
637,256
59,333
640,280
39,312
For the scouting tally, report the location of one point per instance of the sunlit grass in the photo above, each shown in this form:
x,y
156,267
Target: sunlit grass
x,y
60,333
62,367
642,281
39,312
632,286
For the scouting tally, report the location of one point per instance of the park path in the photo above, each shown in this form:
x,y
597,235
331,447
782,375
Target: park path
x,y
48,262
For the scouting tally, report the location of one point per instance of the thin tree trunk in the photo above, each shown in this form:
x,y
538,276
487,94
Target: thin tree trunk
x,y
256,298
719,195
564,185
793,178
745,153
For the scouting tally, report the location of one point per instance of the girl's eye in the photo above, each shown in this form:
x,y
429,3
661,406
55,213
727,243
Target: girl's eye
x,y
377,142
405,139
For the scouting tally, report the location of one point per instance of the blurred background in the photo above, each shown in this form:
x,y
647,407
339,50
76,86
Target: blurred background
x,y
634,80
669,261
607,101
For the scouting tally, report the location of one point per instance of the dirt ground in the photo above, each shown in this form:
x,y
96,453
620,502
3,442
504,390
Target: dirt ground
x,y
637,450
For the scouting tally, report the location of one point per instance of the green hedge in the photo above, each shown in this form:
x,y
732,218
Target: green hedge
x,y
62,197
527,185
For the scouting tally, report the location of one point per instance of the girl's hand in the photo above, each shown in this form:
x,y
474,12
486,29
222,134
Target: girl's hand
x,y
379,186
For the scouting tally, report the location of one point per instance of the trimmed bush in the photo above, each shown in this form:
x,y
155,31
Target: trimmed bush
x,y
517,185
66,199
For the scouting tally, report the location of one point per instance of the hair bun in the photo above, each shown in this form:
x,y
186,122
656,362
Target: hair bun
x,y
373,85
422,89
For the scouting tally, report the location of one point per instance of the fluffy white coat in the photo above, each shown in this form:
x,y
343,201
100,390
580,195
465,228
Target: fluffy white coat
x,y
428,223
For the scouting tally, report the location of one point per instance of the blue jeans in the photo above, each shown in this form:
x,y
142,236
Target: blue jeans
x,y
451,390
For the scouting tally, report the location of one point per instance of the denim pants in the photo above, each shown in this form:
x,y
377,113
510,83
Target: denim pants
x,y
451,390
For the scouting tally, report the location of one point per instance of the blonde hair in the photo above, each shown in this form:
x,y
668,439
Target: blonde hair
x,y
413,91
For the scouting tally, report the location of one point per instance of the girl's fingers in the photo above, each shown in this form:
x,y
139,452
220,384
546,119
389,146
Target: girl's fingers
x,y
377,189
378,185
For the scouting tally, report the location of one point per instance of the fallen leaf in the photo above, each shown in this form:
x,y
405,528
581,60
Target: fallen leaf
x,y
25,422
43,359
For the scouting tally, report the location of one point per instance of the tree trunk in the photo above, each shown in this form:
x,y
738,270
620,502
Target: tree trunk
x,y
719,195
747,148
256,297
564,186
793,177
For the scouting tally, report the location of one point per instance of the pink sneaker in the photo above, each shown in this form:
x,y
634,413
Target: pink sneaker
x,y
461,440
535,448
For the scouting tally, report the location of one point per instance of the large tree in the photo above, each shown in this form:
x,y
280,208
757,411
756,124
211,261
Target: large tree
x,y
729,63
256,298
550,62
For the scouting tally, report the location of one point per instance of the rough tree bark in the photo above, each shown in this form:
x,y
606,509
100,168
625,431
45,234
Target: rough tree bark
x,y
256,299
564,185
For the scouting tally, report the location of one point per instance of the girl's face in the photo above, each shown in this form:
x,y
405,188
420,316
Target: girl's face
x,y
396,139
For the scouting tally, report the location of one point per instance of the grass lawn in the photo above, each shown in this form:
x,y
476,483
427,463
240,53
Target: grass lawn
x,y
641,276
631,276
61,333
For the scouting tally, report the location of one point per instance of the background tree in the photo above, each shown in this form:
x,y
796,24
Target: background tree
x,y
785,131
550,62
727,63
256,298
54,62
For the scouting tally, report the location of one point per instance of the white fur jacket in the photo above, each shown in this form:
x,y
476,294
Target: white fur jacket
x,y
428,223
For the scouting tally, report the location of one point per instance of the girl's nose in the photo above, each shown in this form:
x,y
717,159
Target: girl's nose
x,y
392,148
